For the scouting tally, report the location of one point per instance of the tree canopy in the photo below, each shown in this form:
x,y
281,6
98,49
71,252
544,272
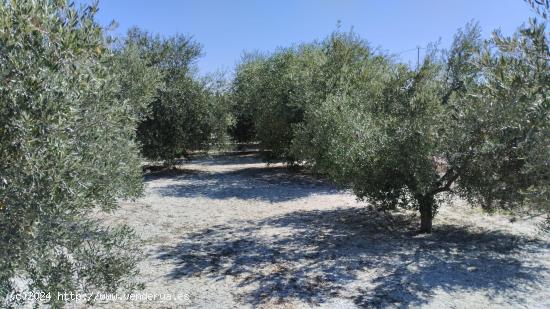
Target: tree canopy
x,y
471,123
67,146
188,113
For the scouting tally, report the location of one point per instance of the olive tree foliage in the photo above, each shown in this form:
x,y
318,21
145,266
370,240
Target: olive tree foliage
x,y
188,112
506,113
220,109
378,140
349,70
67,147
269,92
244,94
139,82
541,7
475,125
273,91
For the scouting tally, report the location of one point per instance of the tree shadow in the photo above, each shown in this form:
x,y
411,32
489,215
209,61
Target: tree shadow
x,y
231,158
313,256
160,172
268,183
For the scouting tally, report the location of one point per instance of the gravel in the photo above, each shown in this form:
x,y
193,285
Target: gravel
x,y
232,232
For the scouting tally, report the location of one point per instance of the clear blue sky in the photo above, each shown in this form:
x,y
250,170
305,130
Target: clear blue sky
x,y
227,28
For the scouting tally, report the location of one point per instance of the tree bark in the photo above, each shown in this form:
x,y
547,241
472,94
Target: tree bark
x,y
426,214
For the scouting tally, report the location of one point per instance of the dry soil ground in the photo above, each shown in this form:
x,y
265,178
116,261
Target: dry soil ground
x,y
232,232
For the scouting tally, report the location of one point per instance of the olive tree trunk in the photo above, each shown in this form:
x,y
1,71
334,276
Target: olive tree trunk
x,y
426,213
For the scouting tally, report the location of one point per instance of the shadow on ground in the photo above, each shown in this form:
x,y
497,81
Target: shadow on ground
x,y
230,158
267,183
313,256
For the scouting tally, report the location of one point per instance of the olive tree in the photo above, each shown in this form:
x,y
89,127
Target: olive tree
x,y
188,112
475,126
244,96
269,92
511,113
273,91
67,147
349,70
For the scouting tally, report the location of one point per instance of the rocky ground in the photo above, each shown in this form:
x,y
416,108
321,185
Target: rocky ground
x,y
231,232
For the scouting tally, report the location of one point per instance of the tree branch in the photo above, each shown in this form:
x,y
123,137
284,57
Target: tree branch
x,y
448,184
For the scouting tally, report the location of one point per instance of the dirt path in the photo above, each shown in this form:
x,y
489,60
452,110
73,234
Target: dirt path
x,y
232,232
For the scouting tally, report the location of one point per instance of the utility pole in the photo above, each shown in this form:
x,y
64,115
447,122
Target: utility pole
x,y
417,58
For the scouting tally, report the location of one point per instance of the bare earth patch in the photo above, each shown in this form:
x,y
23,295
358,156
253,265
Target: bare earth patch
x,y
232,232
